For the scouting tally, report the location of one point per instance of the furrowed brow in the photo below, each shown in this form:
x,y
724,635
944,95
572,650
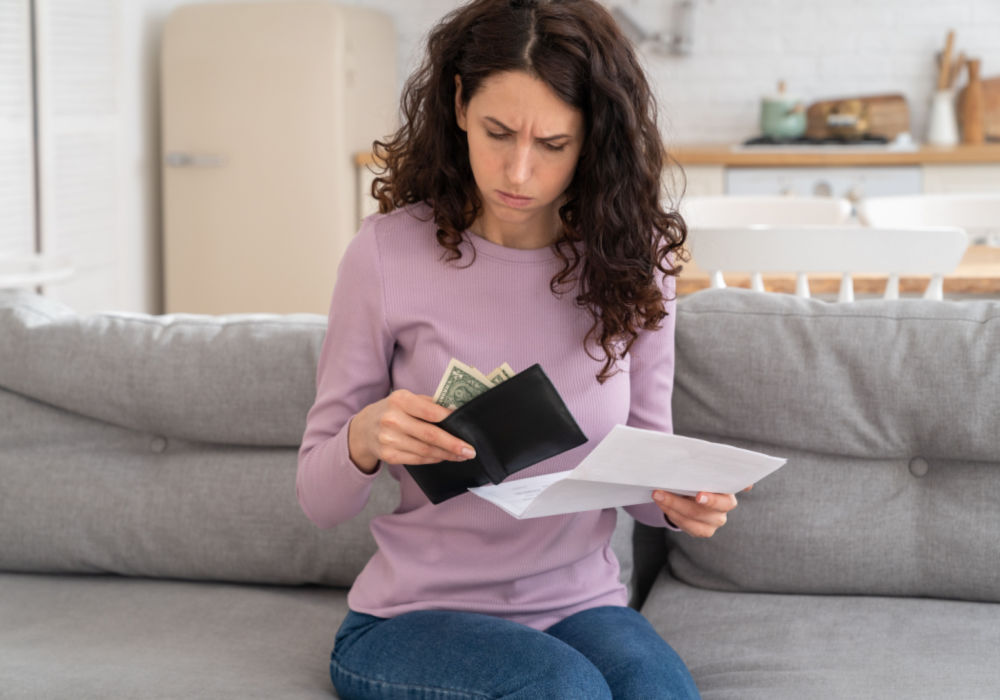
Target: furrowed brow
x,y
496,122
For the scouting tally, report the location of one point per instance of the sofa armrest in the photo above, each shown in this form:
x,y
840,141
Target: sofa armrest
x,y
649,556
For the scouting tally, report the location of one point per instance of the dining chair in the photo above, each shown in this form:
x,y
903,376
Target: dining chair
x,y
846,250
977,213
725,210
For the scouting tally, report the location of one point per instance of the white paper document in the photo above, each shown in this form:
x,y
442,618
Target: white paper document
x,y
625,468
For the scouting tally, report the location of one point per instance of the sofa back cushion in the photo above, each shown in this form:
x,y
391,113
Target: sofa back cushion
x,y
84,496
163,446
236,380
887,412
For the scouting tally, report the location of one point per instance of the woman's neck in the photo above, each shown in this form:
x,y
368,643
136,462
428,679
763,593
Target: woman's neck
x,y
526,235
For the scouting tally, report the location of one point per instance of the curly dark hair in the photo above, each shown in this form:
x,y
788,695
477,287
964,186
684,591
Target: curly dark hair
x,y
612,208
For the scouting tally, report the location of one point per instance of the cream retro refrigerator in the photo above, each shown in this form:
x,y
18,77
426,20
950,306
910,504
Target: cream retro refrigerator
x,y
264,106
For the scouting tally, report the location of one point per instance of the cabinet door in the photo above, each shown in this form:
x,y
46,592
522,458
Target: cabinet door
x,y
850,182
263,106
250,121
956,179
17,158
693,181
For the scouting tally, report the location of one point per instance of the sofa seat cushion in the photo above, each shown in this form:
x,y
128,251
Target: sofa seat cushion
x,y
108,637
774,646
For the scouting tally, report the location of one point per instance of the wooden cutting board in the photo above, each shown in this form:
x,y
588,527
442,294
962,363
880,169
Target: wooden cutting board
x,y
991,108
887,115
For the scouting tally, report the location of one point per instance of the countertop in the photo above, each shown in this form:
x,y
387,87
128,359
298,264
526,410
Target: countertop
x,y
762,156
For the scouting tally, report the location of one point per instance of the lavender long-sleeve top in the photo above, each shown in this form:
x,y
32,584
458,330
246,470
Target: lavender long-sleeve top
x,y
399,313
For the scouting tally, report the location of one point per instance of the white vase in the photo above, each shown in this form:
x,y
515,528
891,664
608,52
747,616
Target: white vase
x,y
943,127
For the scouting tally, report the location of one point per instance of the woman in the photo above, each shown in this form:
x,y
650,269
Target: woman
x,y
520,222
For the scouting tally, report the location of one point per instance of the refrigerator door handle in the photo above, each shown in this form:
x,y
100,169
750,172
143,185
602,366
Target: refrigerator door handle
x,y
178,159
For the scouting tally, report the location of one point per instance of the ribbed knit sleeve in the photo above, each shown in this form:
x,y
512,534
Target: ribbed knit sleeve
x,y
651,382
352,372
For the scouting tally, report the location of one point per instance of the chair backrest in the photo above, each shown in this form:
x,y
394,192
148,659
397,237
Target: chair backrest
x,y
846,250
978,214
724,210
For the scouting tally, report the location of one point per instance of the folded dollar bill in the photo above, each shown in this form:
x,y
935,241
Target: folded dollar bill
x,y
460,383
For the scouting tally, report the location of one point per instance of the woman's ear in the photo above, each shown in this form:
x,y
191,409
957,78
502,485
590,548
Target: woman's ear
x,y
459,107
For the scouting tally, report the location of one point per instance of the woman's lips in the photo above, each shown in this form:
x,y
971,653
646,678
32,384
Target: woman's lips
x,y
513,200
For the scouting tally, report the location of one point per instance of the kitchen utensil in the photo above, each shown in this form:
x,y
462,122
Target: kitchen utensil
x,y
991,107
944,71
781,116
956,69
971,111
878,115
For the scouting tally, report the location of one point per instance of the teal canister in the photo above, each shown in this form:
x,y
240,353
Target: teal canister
x,y
782,117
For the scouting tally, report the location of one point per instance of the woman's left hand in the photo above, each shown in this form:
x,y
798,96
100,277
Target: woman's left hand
x,y
698,516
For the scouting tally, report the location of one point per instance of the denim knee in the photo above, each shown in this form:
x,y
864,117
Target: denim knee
x,y
569,676
564,678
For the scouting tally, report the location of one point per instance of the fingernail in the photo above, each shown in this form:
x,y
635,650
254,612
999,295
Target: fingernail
x,y
658,496
468,452
702,499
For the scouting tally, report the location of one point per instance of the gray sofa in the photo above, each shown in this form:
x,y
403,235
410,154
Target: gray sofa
x,y
151,545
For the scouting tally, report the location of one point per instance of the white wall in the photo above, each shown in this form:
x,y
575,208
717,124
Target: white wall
x,y
822,49
741,48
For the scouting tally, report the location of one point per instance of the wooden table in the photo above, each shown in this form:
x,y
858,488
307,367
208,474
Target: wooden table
x,y
978,273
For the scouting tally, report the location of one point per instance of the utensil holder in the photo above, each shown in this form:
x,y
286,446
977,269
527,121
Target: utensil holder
x,y
943,127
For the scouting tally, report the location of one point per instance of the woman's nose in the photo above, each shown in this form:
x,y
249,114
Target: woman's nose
x,y
519,164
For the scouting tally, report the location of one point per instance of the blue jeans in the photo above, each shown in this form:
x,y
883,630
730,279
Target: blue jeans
x,y
606,652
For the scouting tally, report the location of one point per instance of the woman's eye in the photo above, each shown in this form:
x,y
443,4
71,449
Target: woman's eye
x,y
502,135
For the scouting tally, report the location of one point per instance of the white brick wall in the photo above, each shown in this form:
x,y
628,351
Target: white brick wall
x,y
741,48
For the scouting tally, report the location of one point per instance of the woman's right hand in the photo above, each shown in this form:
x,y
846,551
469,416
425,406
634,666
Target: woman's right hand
x,y
399,430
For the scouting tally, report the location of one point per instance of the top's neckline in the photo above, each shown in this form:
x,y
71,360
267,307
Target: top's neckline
x,y
495,250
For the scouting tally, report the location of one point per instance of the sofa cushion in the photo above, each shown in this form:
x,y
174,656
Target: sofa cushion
x,y
80,495
745,646
163,446
105,637
242,379
887,413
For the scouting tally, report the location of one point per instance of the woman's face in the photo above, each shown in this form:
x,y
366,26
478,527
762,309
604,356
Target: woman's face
x,y
524,143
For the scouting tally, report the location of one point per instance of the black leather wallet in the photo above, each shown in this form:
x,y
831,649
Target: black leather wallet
x,y
511,426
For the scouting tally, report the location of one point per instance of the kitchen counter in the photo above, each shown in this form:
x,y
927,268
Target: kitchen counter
x,y
819,156
978,273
